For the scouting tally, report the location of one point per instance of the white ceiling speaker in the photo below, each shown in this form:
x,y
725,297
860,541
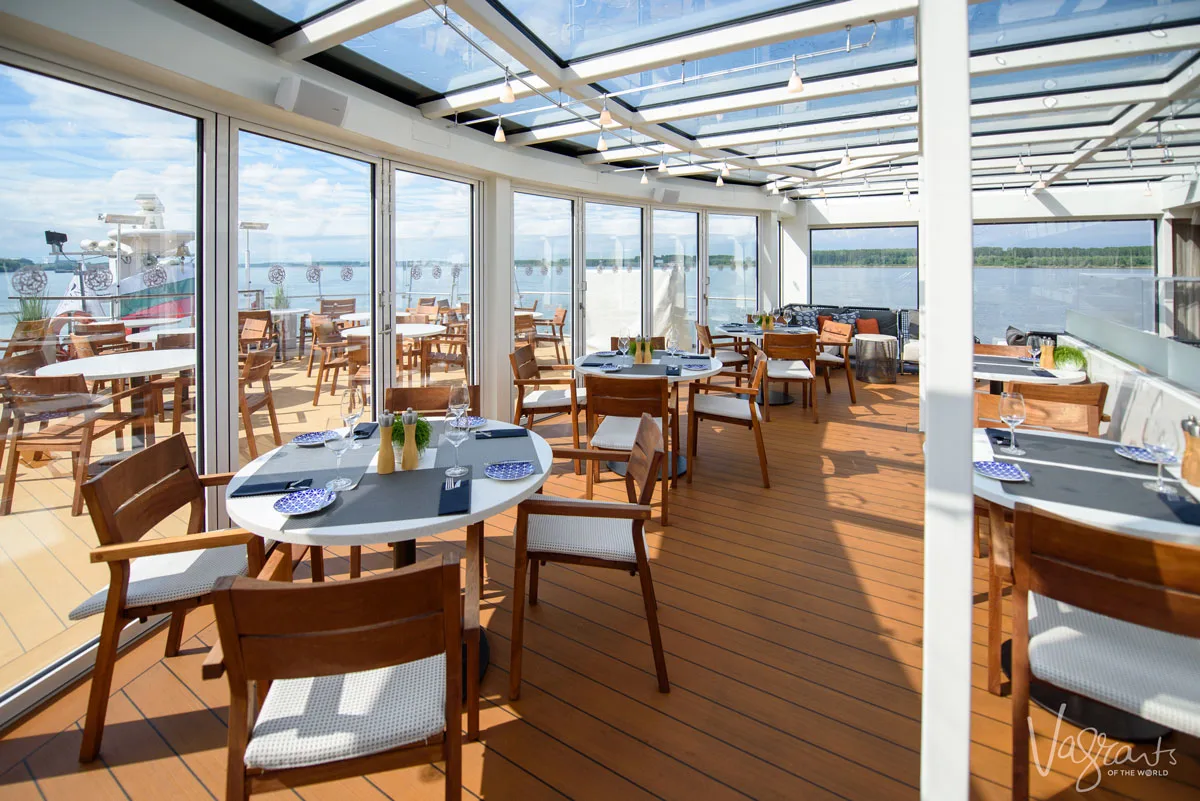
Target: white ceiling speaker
x,y
668,196
311,100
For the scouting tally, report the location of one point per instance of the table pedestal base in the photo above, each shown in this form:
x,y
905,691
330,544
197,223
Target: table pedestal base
x,y
1085,712
619,467
775,398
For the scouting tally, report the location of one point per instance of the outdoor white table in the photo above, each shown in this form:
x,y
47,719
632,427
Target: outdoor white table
x,y
356,317
150,336
998,379
488,498
410,330
525,313
282,316
150,322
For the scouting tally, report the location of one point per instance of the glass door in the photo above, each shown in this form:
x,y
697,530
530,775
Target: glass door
x,y
675,275
732,279
612,273
543,244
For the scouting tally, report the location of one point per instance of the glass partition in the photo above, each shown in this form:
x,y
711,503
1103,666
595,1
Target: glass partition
x,y
99,249
543,241
614,272
864,267
433,224
732,267
676,275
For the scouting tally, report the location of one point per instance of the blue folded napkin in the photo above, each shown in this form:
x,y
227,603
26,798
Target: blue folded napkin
x,y
1041,373
595,364
998,437
252,488
501,433
365,430
456,497
674,370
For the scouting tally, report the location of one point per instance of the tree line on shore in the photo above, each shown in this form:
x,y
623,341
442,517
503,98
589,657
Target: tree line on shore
x,y
1102,257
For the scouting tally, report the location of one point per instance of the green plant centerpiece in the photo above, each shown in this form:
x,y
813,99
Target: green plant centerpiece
x,y
281,298
423,430
1067,357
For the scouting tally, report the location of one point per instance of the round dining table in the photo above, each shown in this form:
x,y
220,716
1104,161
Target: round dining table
x,y
755,335
488,498
150,322
150,335
410,330
998,370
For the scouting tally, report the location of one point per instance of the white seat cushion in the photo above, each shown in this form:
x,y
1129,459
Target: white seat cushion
x,y
721,405
312,721
731,357
171,577
542,398
912,351
829,358
788,369
617,433
1152,674
597,537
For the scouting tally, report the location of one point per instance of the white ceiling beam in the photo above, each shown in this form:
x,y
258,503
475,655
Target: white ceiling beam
x,y
1099,98
625,153
833,154
880,122
857,164
343,25
1078,52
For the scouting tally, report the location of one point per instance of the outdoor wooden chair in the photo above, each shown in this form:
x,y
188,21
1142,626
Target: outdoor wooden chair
x,y
258,335
726,349
838,336
1108,616
178,384
69,419
430,401
614,410
1081,394
790,358
448,350
539,393
147,577
334,308
426,301
27,335
356,677
591,534
1072,418
1001,350
84,347
358,374
330,346
531,308
524,330
555,334
24,363
731,406
101,338
656,343
257,370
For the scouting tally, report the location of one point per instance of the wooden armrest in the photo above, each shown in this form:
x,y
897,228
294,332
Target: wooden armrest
x,y
572,507
728,389
216,479
213,666
556,367
594,454
127,393
188,542
538,382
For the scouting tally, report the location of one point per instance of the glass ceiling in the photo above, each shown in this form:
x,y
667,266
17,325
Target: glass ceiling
x,y
1004,24
803,112
297,10
1154,67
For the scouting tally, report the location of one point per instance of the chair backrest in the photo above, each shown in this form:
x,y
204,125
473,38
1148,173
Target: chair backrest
x,y
359,358
1001,350
1072,418
532,307
426,301
837,332
333,307
81,347
1082,394
257,366
430,311
25,363
137,493
560,316
524,362
431,401
405,319
656,343
273,630
625,397
523,324
174,341
443,304
100,336
254,330
705,337
793,347
257,314
645,459
324,330
28,335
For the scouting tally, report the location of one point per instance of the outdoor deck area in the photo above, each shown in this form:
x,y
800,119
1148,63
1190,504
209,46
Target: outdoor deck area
x,y
791,620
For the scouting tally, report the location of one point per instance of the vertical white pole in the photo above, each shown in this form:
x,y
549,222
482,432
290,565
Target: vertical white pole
x,y
768,261
945,137
1163,292
494,330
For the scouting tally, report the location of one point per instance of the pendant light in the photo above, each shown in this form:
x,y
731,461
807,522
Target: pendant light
x,y
506,92
721,181
775,188
1041,184
644,180
499,137
1148,191
1020,168
601,144
605,115
724,169
795,83
662,163
845,162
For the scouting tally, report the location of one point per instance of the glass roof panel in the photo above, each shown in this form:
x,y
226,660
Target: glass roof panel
x,y
297,10
531,112
824,108
589,140
818,56
1042,149
1087,75
427,51
832,142
1003,24
1053,119
575,29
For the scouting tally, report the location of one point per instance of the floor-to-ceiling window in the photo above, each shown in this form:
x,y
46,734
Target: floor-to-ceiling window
x,y
305,241
732,267
613,249
99,209
676,275
543,239
1028,275
433,253
864,267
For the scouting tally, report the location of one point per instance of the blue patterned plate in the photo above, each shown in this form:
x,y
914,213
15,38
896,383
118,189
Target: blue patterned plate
x,y
605,353
607,367
313,439
1027,359
1140,455
304,502
1001,471
696,366
509,471
470,422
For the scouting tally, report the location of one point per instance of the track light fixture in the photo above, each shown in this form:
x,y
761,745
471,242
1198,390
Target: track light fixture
x,y
1167,156
605,115
775,188
1040,184
506,92
1148,192
499,137
795,82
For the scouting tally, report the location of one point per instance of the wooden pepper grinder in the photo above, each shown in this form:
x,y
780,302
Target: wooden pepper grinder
x,y
386,463
1046,361
408,459
1190,468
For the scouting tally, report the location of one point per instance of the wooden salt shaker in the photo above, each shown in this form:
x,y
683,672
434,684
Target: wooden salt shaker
x,y
1190,467
409,458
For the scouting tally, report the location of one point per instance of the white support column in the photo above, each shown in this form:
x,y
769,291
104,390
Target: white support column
x,y
794,255
768,260
945,130
1163,292
494,331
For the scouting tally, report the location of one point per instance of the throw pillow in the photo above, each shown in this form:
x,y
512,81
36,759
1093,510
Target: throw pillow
x,y
868,325
806,318
821,320
1015,336
850,317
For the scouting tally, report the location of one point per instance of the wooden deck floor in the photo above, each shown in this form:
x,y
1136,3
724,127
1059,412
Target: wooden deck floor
x,y
792,624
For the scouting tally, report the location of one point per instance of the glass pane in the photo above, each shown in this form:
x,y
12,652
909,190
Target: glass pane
x,y
676,275
1028,274
732,267
835,141
1005,24
817,56
576,30
543,241
1050,119
298,10
614,272
1086,75
104,291
433,279
304,230
865,267
531,112
428,51
826,108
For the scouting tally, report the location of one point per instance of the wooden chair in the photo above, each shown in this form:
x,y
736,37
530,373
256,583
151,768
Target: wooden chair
x,y
614,410
1081,394
1103,615
257,370
840,336
84,347
69,420
361,676
432,401
359,371
656,343
23,363
1001,350
426,301
336,307
539,394
330,346
179,384
790,357
591,534
257,330
723,404
101,338
555,335
448,350
28,335
724,348
524,330
153,576
532,308
1072,418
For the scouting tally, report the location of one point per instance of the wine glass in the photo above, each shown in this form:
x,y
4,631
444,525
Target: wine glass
x,y
623,342
354,406
455,436
1012,414
1160,436
672,345
460,403
339,444
1034,343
